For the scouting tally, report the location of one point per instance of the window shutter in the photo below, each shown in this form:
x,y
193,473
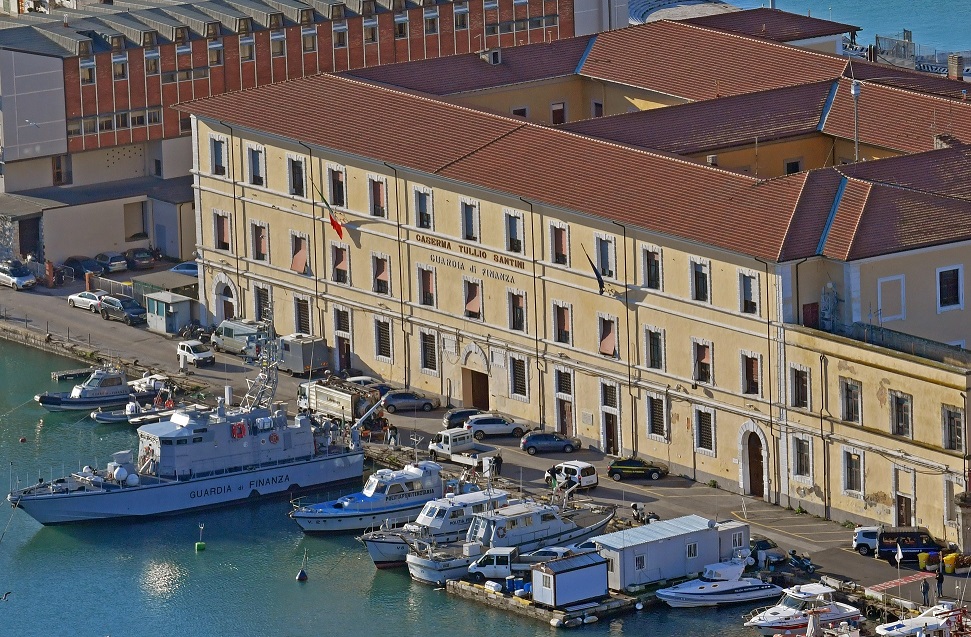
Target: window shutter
x,y
608,338
473,300
382,270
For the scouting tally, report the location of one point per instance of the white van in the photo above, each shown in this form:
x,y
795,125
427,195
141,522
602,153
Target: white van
x,y
577,471
236,336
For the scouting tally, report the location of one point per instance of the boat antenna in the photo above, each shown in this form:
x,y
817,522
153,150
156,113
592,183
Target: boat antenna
x,y
261,390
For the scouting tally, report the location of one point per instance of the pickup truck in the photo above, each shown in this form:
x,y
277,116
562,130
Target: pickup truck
x,y
459,446
502,561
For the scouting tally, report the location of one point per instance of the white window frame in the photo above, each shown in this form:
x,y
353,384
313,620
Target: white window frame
x,y
515,216
466,281
216,213
509,377
666,418
793,476
601,317
695,341
645,250
611,253
415,191
256,148
743,354
437,372
793,367
691,550
944,409
566,229
695,426
418,268
337,168
648,329
510,292
297,297
562,369
255,297
333,266
937,281
845,381
383,180
476,218
553,328
376,256
213,140
845,449
255,223
756,290
295,158
706,264
350,322
377,356
903,298
308,271
892,394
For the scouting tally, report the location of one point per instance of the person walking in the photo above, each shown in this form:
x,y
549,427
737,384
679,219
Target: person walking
x,y
940,580
925,588
497,463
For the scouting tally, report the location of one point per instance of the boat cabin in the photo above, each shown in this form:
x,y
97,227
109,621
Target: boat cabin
x,y
443,515
413,481
100,382
515,524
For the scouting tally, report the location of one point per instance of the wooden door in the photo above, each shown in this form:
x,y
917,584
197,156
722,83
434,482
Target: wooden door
x,y
755,466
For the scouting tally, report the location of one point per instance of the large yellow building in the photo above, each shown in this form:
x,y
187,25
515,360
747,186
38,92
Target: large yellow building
x,y
776,332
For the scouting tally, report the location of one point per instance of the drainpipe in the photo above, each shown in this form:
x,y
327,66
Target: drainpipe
x,y
768,341
630,362
542,383
401,278
313,214
232,166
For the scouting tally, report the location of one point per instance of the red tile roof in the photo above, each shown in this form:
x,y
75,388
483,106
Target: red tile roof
x,y
946,171
713,124
773,24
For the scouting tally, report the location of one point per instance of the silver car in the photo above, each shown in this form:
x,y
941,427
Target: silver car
x,y
16,275
87,300
408,400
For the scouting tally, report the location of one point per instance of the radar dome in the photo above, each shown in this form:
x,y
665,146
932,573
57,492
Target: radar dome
x,y
120,474
132,480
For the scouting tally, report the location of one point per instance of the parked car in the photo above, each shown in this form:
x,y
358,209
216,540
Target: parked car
x,y
189,268
493,425
383,388
865,539
139,258
578,471
112,261
196,353
122,307
408,400
83,265
910,541
766,551
636,468
536,441
86,300
457,416
16,275
363,380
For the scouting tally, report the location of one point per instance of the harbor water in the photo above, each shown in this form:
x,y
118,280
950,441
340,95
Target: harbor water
x,y
145,578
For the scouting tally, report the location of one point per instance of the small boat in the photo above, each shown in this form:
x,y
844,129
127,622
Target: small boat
x,y
721,583
106,387
526,525
135,414
933,619
798,604
441,521
388,496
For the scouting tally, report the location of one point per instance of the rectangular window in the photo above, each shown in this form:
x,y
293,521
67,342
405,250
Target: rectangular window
x,y
74,128
953,428
340,39
382,338
90,125
598,109
652,269
605,256
608,338
514,233
342,321
559,240
608,395
558,113
400,30
426,286
278,46
800,388
261,243
850,391
431,26
121,121
154,115
336,178
470,222
378,202
750,375
119,70
255,166
564,382
749,293
699,281
106,123
341,265
297,185
217,155
640,561
370,35
900,414
61,170
950,288
461,21
215,56
300,259
87,75
655,349
702,362
517,377
520,111
382,275
692,550
423,209
309,41
853,472
429,351
151,66
473,300
247,50
800,457
517,312
655,417
222,232
704,430
138,118
561,316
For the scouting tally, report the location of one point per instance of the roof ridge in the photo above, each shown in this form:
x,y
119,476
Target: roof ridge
x,y
903,187
752,38
909,91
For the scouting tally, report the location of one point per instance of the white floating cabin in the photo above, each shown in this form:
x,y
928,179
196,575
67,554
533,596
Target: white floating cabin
x,y
570,580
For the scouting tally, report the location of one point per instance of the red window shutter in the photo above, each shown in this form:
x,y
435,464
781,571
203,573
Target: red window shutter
x,y
608,338
473,299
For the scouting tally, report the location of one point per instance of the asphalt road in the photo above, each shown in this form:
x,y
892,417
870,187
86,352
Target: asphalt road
x,y
828,543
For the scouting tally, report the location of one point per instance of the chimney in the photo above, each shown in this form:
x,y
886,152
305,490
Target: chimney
x,y
955,67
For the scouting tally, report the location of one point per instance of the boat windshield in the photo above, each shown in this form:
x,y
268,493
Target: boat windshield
x,y
375,485
795,603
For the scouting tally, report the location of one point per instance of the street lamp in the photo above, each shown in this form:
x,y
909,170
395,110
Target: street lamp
x,y
855,92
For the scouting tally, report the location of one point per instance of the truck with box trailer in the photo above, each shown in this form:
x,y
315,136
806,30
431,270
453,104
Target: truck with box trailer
x,y
334,397
302,354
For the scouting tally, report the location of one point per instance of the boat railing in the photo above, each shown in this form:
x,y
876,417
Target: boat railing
x,y
755,612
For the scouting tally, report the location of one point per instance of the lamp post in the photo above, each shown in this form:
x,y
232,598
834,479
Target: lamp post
x,y
855,92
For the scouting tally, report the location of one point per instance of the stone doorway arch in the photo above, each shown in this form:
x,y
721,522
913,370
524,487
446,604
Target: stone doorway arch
x,y
225,296
753,460
476,389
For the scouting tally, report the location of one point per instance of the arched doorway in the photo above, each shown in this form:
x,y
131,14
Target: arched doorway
x,y
756,466
475,377
225,299
753,449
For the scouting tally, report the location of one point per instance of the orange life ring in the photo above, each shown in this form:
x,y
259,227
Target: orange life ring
x,y
239,430
169,404
274,438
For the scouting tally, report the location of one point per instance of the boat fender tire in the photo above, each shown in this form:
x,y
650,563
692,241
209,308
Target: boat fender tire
x,y
169,404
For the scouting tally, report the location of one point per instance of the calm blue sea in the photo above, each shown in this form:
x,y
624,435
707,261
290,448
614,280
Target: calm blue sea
x,y
941,24
145,578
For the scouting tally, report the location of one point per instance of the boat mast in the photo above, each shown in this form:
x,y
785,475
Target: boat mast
x,y
262,389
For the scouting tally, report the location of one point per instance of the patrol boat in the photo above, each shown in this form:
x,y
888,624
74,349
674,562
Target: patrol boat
x,y
202,458
389,496
106,387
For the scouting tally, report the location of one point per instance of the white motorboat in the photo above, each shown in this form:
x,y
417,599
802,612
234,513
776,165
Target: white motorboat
x,y
721,583
797,605
391,497
106,387
440,521
933,619
526,525
202,458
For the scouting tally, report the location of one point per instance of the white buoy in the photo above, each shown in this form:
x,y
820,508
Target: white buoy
x,y
589,619
639,606
556,622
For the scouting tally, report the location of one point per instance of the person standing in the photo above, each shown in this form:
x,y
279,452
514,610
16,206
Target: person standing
x,y
924,590
940,580
497,463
